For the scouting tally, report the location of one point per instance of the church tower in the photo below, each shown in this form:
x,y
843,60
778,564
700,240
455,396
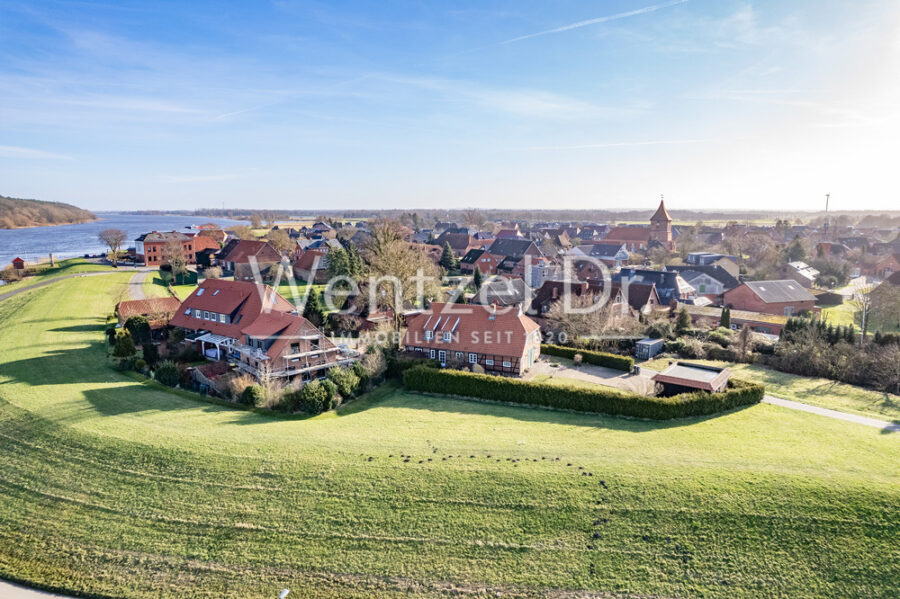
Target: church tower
x,y
661,226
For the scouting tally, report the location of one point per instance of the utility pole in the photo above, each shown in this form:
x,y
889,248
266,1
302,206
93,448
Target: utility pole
x,y
827,198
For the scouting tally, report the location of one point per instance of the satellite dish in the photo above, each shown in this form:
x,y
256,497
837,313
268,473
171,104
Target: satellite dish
x,y
283,593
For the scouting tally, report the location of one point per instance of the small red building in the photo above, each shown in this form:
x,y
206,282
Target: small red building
x,y
18,263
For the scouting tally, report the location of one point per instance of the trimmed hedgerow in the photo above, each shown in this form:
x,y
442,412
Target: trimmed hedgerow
x,y
604,400
597,358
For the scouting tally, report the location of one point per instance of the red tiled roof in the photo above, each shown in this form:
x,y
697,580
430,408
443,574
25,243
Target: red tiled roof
x,y
661,213
637,234
241,251
161,307
241,301
202,242
477,329
310,258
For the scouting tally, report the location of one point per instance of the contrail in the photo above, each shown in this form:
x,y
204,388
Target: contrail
x,y
621,15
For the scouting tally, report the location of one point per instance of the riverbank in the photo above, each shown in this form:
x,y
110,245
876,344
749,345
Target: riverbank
x,y
47,225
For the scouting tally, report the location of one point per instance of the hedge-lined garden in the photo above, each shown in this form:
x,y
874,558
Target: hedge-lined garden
x,y
605,400
597,358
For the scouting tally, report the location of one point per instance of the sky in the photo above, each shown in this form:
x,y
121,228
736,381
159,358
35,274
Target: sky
x,y
717,104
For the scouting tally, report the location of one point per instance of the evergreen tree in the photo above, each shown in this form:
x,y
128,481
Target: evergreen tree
x,y
683,321
477,279
431,238
313,310
448,260
124,347
355,262
725,319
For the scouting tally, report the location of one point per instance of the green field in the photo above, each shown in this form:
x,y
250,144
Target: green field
x,y
109,486
154,286
72,266
824,393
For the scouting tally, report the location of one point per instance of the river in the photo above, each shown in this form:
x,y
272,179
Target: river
x,y
67,241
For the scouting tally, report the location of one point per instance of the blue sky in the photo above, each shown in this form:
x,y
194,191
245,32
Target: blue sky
x,y
563,104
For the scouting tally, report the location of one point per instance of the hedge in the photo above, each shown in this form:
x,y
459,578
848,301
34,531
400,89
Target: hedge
x,y
604,400
597,358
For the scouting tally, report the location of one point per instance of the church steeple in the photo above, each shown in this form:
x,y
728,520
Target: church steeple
x,y
662,215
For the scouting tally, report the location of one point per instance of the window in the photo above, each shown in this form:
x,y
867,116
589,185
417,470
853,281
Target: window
x,y
447,337
488,362
507,364
431,355
187,312
442,357
702,288
789,311
473,358
429,335
221,318
459,355
206,315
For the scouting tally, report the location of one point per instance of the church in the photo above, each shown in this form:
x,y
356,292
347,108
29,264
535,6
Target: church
x,y
637,238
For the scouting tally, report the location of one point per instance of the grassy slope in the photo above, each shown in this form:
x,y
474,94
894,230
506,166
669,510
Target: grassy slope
x,y
71,266
112,487
154,287
810,390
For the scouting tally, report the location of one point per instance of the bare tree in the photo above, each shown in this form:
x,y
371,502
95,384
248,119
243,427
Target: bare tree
x,y
885,312
114,240
862,301
281,241
397,267
176,258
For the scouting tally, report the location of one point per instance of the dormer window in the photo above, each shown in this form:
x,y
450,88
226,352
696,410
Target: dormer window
x,y
447,337
429,335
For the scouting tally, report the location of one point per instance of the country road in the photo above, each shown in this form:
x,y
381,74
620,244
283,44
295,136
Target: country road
x,y
846,417
14,591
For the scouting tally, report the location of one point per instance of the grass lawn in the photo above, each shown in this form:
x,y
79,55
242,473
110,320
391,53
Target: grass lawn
x,y
155,287
842,314
113,487
810,390
63,268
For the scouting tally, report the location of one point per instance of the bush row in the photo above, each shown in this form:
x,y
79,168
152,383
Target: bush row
x,y
605,400
597,358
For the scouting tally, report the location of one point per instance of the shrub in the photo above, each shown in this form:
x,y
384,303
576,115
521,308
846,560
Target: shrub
x,y
237,384
151,354
167,373
344,380
253,395
213,272
311,397
189,354
714,352
720,338
577,359
139,329
661,329
332,399
124,345
140,364
397,365
606,400
590,357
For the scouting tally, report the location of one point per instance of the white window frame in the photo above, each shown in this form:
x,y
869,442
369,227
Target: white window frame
x,y
221,318
473,358
442,356
206,315
488,362
459,355
507,364
429,335
431,354
448,337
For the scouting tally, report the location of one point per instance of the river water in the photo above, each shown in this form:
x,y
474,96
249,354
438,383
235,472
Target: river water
x,y
67,241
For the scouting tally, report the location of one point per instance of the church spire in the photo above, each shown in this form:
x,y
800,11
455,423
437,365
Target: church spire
x,y
661,213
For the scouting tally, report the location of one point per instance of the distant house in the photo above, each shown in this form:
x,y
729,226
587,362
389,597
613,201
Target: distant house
x,y
237,254
514,248
500,340
758,322
503,292
158,310
258,330
670,286
312,266
801,272
785,297
460,243
153,248
705,258
613,255
639,297
710,280
18,263
887,266
634,237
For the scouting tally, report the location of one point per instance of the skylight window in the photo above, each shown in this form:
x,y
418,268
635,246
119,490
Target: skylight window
x,y
216,292
200,291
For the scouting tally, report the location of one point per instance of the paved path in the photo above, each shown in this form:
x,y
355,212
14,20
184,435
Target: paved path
x,y
589,373
136,286
14,591
864,420
139,272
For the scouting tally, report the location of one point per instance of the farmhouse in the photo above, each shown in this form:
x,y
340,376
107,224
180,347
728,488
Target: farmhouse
x,y
501,340
154,248
237,254
801,272
258,330
785,297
